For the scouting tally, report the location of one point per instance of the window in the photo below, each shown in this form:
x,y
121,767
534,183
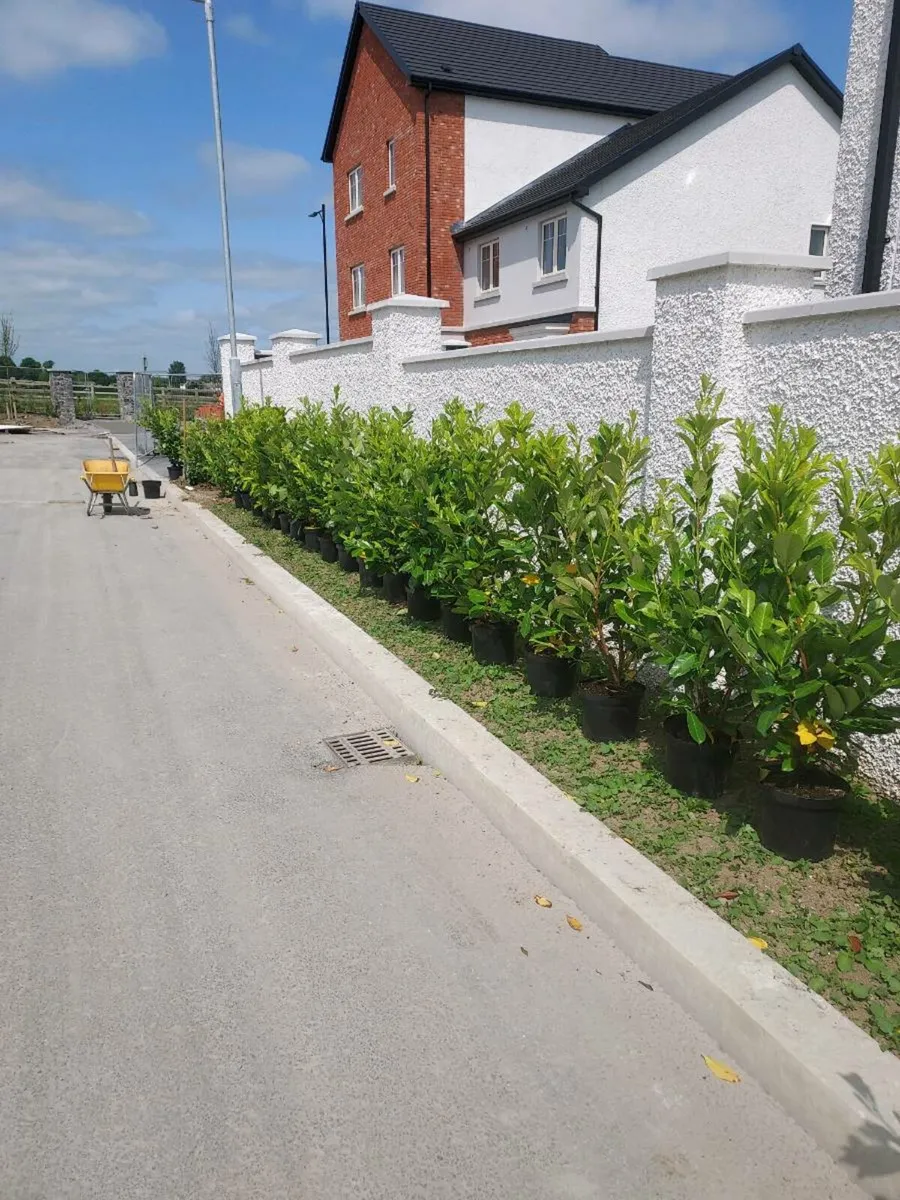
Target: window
x,y
819,236
358,282
354,180
398,271
553,246
392,165
489,266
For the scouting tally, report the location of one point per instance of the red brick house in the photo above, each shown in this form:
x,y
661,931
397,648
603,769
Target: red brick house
x,y
491,168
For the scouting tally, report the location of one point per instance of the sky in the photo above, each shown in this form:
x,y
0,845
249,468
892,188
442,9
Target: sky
x,y
110,245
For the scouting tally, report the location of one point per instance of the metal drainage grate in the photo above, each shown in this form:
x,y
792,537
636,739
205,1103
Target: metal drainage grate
x,y
361,749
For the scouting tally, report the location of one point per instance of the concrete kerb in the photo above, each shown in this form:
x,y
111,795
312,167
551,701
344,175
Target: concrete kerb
x,y
832,1078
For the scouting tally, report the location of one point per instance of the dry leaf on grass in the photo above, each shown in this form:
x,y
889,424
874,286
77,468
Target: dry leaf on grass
x,y
543,902
727,896
855,943
412,779
575,924
628,840
479,703
759,943
720,1070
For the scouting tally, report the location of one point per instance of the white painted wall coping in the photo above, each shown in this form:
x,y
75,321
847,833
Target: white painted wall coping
x,y
539,343
291,334
239,337
741,258
407,302
869,302
352,343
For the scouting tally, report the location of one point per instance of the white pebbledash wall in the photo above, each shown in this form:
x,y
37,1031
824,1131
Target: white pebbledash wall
x,y
754,322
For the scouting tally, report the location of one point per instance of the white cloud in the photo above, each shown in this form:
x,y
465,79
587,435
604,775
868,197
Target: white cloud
x,y
253,170
42,37
245,29
682,31
24,200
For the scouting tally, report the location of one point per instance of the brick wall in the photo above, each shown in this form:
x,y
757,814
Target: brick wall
x,y
381,105
583,323
578,323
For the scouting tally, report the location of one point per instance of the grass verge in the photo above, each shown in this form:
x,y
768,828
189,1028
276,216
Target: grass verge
x,y
835,925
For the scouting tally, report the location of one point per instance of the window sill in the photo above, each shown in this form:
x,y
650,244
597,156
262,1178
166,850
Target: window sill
x,y
390,191
357,212
549,280
486,297
356,312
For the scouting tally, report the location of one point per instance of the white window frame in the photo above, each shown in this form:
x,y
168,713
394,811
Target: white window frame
x,y
398,271
392,164
556,268
820,276
358,287
492,249
355,189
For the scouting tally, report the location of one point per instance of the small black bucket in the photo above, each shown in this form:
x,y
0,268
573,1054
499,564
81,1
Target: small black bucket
x,y
346,561
454,626
549,675
801,822
493,643
393,587
311,540
421,605
611,716
132,487
175,470
151,488
327,548
696,768
369,578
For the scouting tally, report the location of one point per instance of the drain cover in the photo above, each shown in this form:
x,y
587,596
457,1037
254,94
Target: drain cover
x,y
374,746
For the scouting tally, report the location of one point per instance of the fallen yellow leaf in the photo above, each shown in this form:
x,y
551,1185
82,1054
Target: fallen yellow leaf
x,y
435,654
543,901
389,742
759,943
412,779
575,924
628,840
721,1071
479,703
329,767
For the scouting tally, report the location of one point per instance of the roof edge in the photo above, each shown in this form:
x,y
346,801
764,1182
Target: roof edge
x,y
706,102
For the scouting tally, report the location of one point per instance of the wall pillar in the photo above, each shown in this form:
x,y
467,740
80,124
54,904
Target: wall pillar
x,y
125,390
284,344
62,393
864,98
698,330
246,348
402,327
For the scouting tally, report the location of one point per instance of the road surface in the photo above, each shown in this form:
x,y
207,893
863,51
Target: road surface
x,y
229,973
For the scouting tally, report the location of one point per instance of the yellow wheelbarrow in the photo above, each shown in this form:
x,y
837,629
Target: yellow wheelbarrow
x,y
106,478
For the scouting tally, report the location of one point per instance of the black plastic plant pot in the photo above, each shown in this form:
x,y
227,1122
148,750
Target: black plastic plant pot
x,y
284,522
454,626
608,716
295,530
696,768
245,500
151,488
311,540
799,813
346,561
327,548
132,487
549,675
272,521
421,605
393,587
175,470
238,500
369,578
493,643
260,513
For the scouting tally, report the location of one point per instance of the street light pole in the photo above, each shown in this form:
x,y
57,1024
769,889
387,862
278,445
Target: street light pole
x,y
320,212
234,363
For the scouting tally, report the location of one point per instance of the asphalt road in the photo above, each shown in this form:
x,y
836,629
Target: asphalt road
x,y
228,973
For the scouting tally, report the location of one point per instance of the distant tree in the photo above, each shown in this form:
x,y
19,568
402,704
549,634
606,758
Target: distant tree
x,y
176,373
211,350
100,378
27,361
9,339
7,363
48,365
30,368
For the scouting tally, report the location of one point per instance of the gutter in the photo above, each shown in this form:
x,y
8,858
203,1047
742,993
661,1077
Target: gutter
x,y
598,219
882,183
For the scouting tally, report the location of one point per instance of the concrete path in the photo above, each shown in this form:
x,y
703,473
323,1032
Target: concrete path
x,y
228,973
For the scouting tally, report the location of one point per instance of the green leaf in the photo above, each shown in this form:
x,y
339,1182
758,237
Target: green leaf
x,y
788,547
696,728
682,665
747,601
885,1023
807,688
844,961
858,990
767,719
833,702
761,619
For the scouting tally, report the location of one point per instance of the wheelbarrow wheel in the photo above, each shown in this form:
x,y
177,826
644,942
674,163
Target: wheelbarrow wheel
x,y
107,502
